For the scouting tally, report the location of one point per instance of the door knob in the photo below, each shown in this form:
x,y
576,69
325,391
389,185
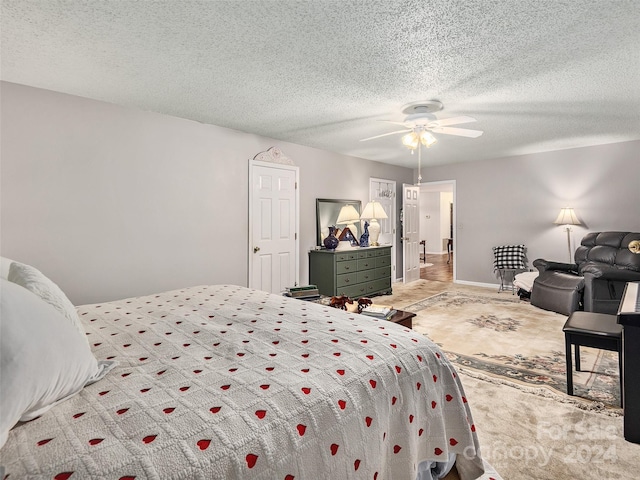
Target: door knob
x,y
256,249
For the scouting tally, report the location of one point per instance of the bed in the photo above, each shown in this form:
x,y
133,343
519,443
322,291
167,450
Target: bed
x,y
225,382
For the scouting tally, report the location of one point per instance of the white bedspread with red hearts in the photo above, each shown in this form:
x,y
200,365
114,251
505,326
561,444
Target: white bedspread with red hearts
x,y
224,382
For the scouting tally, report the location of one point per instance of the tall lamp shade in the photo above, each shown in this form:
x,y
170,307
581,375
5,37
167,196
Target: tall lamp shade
x,y
347,216
567,217
374,211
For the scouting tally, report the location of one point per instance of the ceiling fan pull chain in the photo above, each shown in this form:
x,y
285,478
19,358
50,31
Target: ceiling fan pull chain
x,y
419,162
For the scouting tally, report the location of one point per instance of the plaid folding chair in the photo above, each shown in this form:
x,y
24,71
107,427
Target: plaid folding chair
x,y
507,260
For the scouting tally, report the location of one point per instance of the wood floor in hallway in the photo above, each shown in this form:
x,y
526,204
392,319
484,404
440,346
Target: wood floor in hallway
x,y
440,271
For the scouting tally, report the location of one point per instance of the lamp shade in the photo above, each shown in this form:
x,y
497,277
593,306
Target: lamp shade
x,y
410,140
348,214
373,210
567,217
427,139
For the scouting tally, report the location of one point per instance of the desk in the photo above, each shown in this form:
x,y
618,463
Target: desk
x,y
449,249
424,250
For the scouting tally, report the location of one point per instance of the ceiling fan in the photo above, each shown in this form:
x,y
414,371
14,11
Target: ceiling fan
x,y
421,121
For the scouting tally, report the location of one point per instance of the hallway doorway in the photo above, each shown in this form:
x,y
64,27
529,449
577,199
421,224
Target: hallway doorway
x,y
437,230
437,268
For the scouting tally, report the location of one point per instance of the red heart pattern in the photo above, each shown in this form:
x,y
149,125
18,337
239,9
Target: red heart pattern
x,y
203,444
362,352
63,476
251,460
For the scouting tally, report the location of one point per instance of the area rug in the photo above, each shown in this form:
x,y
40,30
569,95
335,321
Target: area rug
x,y
542,437
504,337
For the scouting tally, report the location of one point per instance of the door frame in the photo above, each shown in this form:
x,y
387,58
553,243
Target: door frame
x,y
250,257
454,222
393,217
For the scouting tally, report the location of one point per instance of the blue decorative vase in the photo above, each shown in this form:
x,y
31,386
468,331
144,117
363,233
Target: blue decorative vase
x,y
364,238
331,242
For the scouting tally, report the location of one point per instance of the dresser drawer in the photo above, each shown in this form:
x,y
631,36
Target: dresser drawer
x,y
347,279
343,257
382,272
354,291
346,267
366,263
383,261
366,276
366,254
379,252
379,285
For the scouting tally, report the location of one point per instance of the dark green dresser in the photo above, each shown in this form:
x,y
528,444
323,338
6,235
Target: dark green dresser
x,y
358,272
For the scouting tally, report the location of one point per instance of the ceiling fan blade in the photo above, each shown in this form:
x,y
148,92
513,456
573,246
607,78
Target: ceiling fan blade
x,y
402,124
453,121
462,132
385,134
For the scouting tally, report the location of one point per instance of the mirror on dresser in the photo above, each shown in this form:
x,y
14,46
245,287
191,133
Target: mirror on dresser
x,y
327,213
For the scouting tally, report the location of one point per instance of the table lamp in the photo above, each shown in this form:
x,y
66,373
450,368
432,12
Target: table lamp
x,y
373,211
347,216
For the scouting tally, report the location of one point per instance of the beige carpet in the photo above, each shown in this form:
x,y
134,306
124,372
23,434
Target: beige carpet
x,y
529,431
505,337
536,436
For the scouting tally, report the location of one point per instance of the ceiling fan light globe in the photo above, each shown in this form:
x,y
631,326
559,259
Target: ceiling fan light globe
x,y
427,139
410,140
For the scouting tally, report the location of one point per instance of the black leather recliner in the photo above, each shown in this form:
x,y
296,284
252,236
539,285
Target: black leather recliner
x,y
595,283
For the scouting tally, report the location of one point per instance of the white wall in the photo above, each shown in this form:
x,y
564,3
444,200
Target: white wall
x,y
446,199
430,219
434,219
515,200
112,202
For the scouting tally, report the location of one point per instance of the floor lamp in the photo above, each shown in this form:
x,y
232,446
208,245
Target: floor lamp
x,y
567,217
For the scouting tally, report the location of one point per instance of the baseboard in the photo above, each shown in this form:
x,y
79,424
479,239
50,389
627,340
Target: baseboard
x,y
478,284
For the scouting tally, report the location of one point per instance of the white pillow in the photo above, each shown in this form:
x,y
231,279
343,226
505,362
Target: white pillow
x,y
43,359
4,267
35,281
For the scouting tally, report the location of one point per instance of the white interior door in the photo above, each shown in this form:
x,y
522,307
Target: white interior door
x,y
410,232
273,226
384,191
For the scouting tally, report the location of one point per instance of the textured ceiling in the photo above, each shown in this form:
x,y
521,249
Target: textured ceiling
x,y
537,75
